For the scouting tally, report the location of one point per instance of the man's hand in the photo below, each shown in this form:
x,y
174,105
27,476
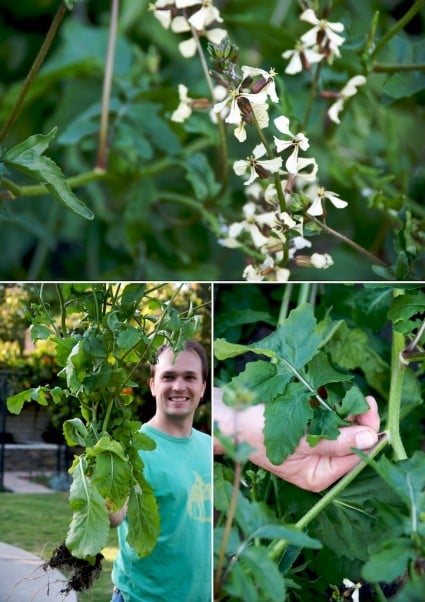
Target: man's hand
x,y
311,468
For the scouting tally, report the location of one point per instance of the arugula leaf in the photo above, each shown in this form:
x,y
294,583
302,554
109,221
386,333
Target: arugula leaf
x,y
89,528
27,157
264,379
143,520
286,419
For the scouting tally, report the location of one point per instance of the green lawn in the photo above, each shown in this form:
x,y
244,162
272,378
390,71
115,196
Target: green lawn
x,y
38,523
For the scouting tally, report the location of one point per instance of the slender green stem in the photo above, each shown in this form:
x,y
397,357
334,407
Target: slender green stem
x,y
306,384
40,189
398,369
227,529
35,68
397,68
279,546
397,27
348,241
224,176
101,161
284,306
312,96
108,415
62,309
303,293
52,322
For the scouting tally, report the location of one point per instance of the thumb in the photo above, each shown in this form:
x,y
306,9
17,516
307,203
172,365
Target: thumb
x,y
361,437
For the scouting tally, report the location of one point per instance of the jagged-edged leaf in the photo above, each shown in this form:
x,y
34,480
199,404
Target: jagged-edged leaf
x,y
27,157
286,420
390,562
296,341
265,573
143,521
321,372
353,402
88,531
264,379
224,350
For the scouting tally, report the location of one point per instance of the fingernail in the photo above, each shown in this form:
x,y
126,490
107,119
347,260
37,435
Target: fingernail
x,y
365,439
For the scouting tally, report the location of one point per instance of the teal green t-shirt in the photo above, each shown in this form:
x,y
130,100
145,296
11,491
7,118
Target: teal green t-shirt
x,y
179,567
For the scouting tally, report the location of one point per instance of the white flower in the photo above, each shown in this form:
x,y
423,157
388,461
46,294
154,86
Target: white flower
x,y
257,168
355,594
316,207
321,262
306,169
298,141
266,80
235,115
184,110
162,12
300,58
261,115
252,223
332,41
348,90
267,268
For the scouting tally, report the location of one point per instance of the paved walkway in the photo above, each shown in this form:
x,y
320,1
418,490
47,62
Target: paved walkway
x,y
18,482
22,578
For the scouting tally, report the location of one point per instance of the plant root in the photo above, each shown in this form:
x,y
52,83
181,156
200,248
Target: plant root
x,y
83,573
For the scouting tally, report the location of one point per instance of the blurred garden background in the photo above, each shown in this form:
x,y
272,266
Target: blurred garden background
x,y
152,197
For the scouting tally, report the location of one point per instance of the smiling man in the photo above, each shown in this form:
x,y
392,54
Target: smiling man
x,y
179,471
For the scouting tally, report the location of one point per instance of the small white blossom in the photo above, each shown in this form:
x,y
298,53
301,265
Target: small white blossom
x,y
316,207
332,41
356,587
235,115
350,89
261,115
297,141
305,168
301,57
184,110
162,12
266,269
266,76
257,168
316,260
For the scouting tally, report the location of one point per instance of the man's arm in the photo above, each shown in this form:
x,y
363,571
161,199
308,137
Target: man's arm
x,y
311,468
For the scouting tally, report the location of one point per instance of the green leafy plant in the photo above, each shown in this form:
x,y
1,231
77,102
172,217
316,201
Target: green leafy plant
x,y
324,349
159,172
103,333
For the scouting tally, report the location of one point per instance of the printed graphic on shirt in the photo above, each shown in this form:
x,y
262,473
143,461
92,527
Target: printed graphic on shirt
x,y
198,504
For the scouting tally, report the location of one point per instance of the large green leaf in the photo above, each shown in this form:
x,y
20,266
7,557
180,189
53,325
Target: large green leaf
x,y
88,531
265,572
264,379
27,157
112,472
286,419
143,521
296,341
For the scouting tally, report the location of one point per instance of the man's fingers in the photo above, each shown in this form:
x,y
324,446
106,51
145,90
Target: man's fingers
x,y
371,417
362,437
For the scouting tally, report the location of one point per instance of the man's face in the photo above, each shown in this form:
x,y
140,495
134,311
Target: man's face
x,y
177,384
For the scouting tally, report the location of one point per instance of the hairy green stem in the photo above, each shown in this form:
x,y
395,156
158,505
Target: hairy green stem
x,y
279,546
101,160
398,26
227,529
35,68
396,385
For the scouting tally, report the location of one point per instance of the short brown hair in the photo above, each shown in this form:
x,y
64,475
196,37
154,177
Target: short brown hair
x,y
190,345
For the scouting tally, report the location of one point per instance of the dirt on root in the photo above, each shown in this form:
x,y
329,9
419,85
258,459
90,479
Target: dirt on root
x,y
83,573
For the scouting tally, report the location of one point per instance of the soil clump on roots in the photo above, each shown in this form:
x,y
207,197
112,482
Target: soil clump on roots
x,y
83,573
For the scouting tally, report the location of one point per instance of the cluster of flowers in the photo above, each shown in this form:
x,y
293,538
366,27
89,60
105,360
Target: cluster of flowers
x,y
274,235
